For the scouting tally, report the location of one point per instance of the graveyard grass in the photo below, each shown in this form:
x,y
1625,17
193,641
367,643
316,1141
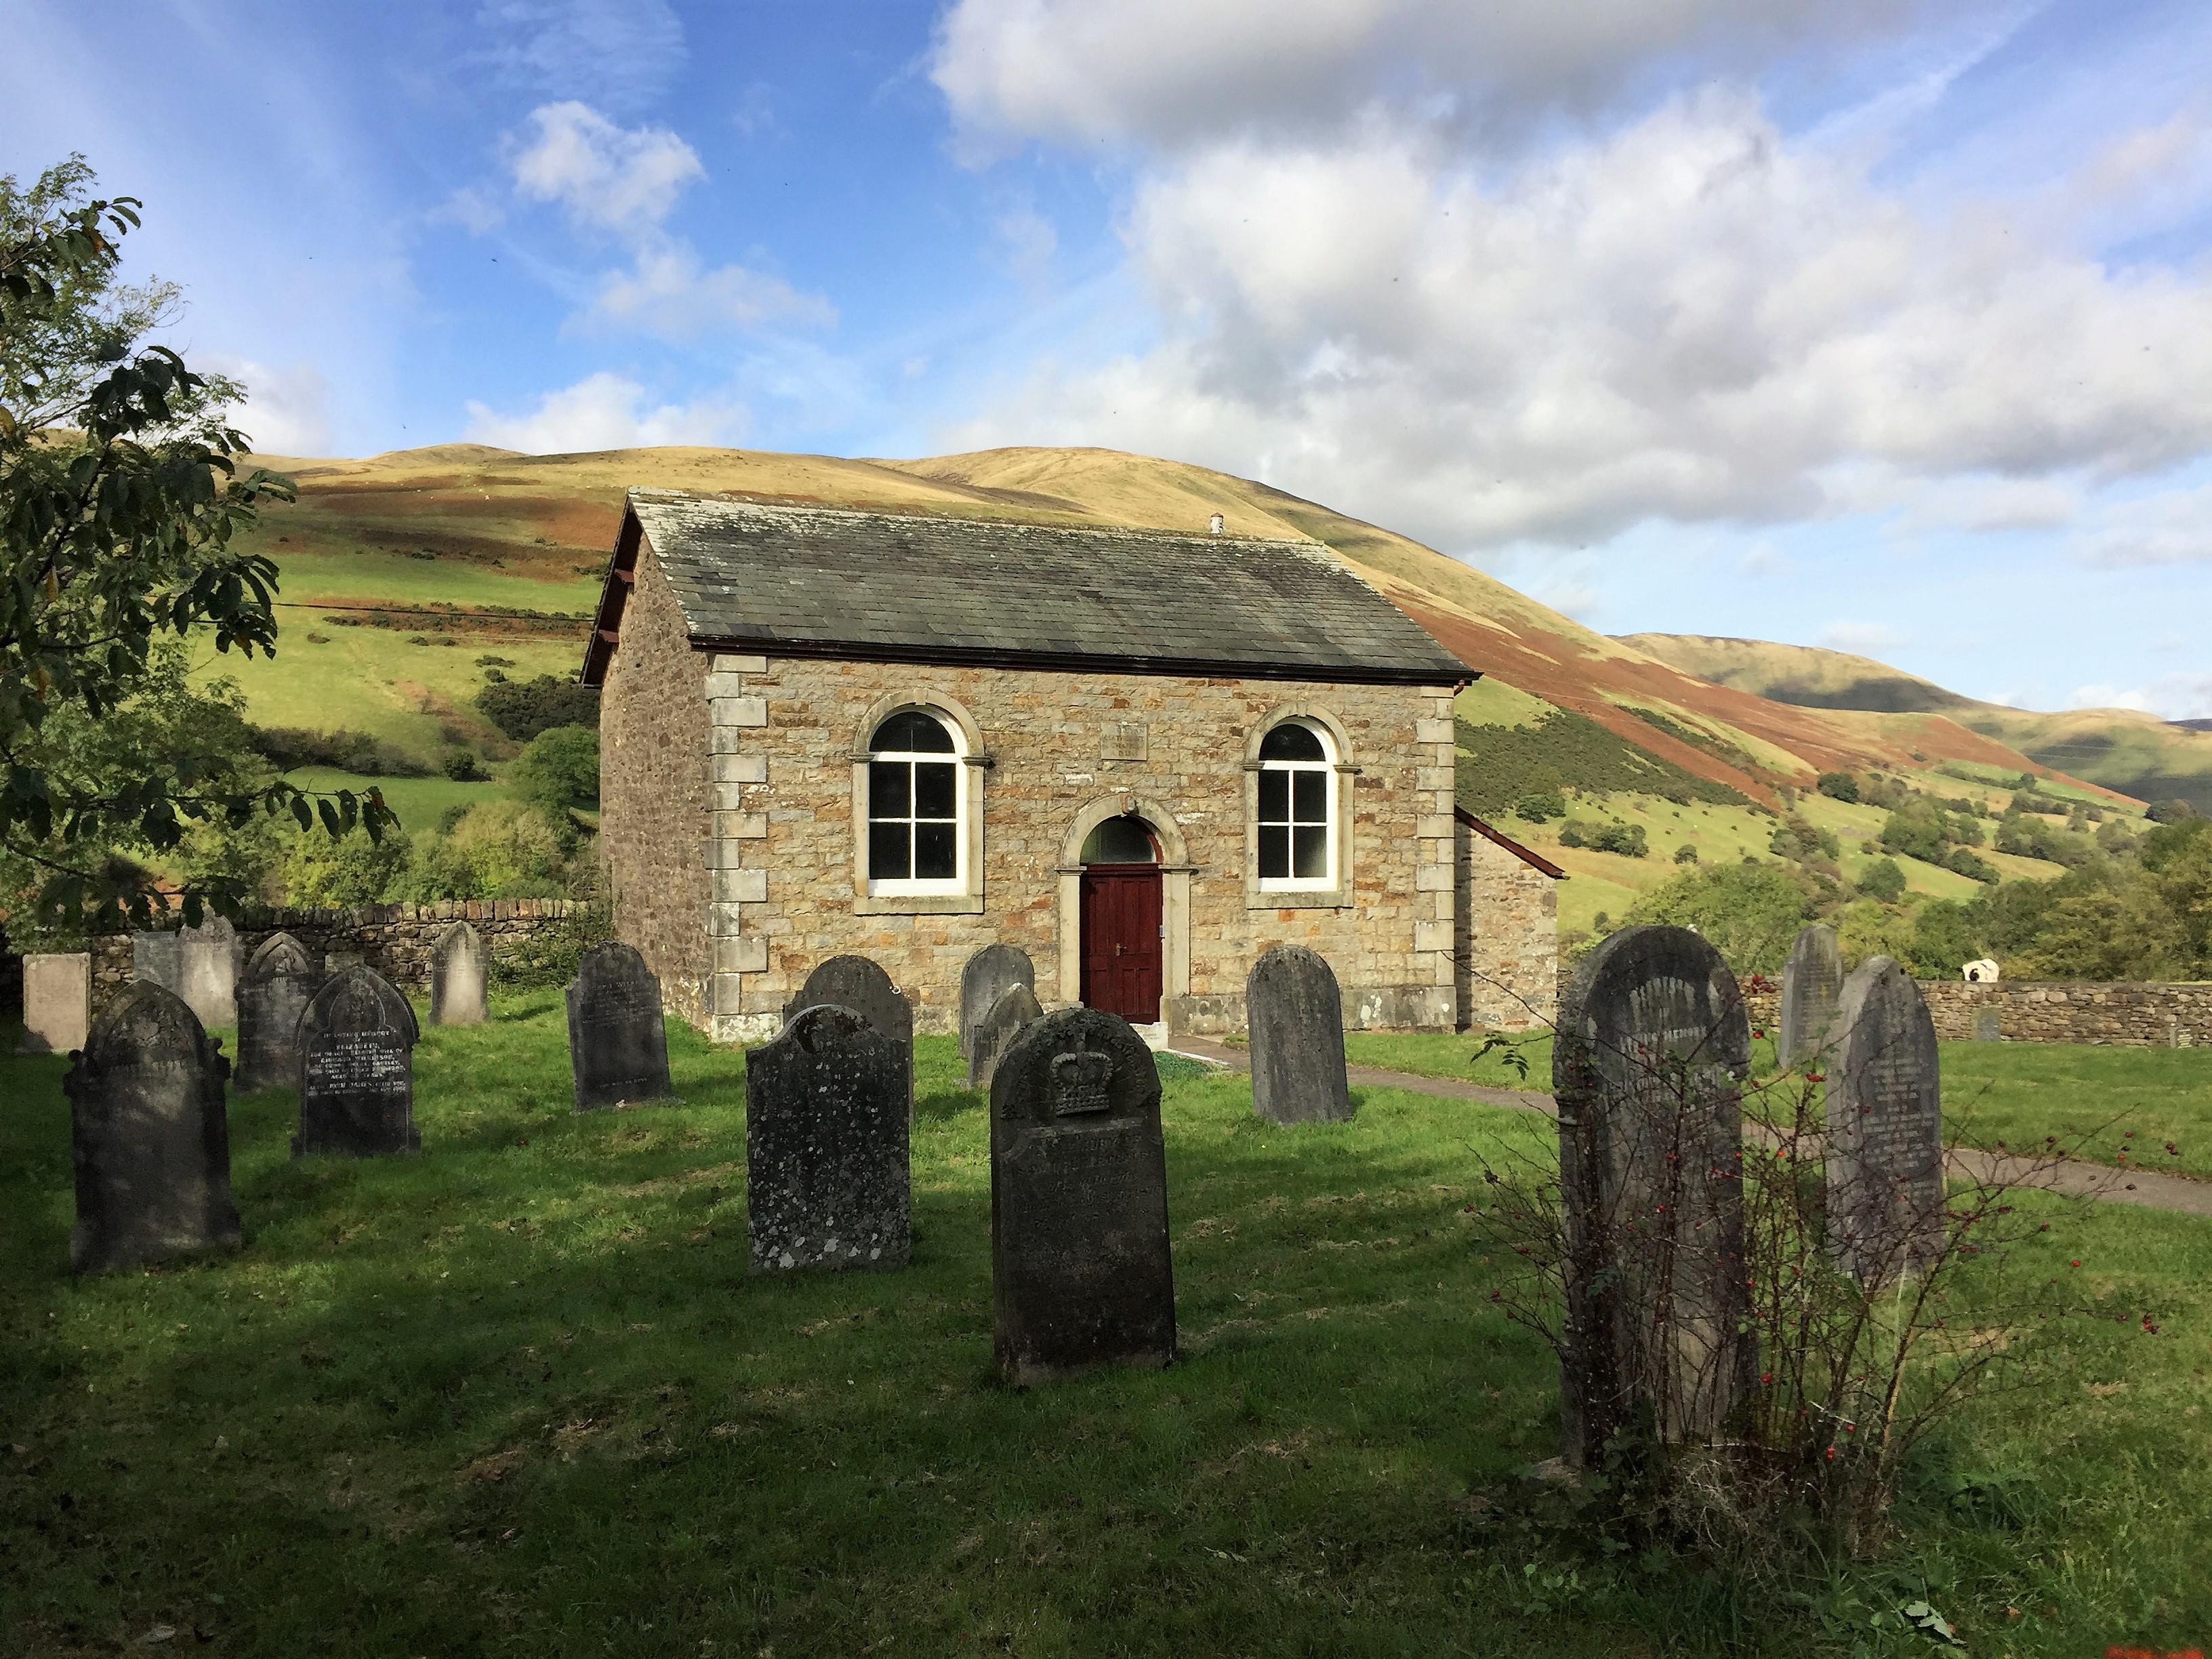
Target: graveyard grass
x,y
520,1396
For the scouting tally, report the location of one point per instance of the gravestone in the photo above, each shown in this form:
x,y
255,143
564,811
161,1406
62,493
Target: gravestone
x,y
1080,1271
148,1135
1294,1017
1648,1068
986,977
618,1044
857,983
456,977
826,1147
154,958
272,994
1990,1028
1885,1122
56,1002
1017,1006
1812,985
207,970
357,1037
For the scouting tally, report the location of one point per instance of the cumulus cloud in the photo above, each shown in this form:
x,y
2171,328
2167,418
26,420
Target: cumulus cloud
x,y
1692,317
1862,637
604,412
1177,71
2169,696
670,292
287,409
624,179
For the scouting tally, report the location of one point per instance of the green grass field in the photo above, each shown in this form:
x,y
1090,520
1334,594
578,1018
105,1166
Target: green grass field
x,y
520,1396
419,802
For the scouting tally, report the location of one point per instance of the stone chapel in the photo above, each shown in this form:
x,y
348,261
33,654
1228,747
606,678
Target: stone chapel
x,y
1144,757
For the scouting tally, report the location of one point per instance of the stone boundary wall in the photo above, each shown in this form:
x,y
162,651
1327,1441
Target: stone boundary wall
x,y
2125,1013
395,940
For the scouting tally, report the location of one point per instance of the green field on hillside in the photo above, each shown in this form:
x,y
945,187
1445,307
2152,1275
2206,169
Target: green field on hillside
x,y
519,1395
401,579
420,802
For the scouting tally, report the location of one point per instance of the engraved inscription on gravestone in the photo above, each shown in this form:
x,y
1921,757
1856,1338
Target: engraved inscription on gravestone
x,y
148,1135
857,983
1884,1121
1295,1017
618,1039
826,1147
1080,1271
272,994
456,977
357,1037
1648,1068
984,979
1812,985
1017,1006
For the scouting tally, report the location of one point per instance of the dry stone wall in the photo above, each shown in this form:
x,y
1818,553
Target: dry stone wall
x,y
397,941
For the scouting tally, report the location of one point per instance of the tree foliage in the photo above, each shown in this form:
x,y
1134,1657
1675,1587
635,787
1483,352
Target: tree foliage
x,y
558,769
523,709
121,501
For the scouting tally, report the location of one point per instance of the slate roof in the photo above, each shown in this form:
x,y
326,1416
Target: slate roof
x,y
830,581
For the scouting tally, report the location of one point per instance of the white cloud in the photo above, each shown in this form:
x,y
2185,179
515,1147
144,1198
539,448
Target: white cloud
x,y
2170,696
1992,504
668,292
1862,637
1173,71
287,409
2173,527
1692,317
624,179
622,52
604,412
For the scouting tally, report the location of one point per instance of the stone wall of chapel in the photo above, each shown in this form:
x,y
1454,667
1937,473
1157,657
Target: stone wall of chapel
x,y
1505,939
784,733
655,776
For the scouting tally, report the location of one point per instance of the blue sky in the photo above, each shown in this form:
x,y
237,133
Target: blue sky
x,y
1866,322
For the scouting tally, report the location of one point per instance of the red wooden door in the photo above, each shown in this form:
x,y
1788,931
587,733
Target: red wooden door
x,y
1121,940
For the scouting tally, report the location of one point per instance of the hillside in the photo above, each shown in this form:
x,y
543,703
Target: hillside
x,y
2121,749
403,572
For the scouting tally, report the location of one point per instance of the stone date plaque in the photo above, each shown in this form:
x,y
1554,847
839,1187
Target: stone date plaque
x,y
1081,1275
617,1041
357,1037
826,1147
149,1136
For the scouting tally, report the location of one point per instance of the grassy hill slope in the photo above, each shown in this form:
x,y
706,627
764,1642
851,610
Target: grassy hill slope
x,y
2123,749
387,559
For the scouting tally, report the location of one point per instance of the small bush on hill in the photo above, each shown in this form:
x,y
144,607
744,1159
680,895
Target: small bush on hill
x,y
2170,811
523,709
348,751
1969,864
1540,808
462,766
1883,880
1685,854
1838,785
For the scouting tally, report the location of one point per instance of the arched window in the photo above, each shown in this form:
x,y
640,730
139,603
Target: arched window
x,y
1124,840
1298,807
916,805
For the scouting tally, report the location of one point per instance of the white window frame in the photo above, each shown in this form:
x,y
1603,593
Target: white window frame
x,y
1332,822
914,886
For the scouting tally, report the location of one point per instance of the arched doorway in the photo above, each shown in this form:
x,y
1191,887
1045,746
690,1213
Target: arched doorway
x,y
1122,946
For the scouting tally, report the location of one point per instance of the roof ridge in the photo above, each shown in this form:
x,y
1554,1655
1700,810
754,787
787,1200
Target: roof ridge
x,y
733,499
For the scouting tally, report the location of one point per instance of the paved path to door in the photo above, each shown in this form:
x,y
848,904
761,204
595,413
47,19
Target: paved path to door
x,y
2147,1188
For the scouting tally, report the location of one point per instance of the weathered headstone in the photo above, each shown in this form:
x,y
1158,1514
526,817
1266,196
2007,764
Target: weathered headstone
x,y
986,977
1080,1271
618,1043
857,983
994,1033
56,1002
1990,1028
1885,1128
272,994
1294,1015
207,970
456,977
826,1147
1811,986
357,1037
148,1135
1652,1049
154,958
